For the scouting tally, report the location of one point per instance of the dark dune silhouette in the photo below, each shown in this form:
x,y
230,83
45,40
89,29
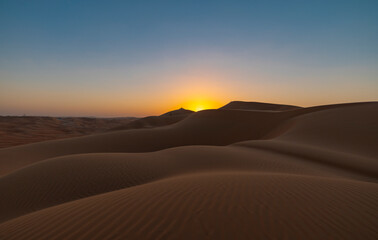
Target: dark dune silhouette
x,y
156,121
240,105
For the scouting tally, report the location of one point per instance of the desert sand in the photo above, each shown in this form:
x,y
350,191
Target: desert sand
x,y
244,171
18,130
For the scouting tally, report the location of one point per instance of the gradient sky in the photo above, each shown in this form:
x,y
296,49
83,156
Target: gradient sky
x,y
137,58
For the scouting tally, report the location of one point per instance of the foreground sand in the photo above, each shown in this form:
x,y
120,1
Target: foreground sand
x,y
246,171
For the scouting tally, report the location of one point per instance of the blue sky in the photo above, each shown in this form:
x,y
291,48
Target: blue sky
x,y
113,58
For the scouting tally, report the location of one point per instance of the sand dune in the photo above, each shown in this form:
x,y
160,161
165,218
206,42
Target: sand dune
x,y
272,173
240,105
156,121
178,112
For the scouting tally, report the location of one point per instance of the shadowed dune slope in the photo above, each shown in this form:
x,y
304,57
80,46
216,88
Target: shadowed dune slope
x,y
239,105
156,121
353,129
178,112
150,122
349,134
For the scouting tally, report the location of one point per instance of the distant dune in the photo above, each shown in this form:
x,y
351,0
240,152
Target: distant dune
x,y
244,171
156,121
27,129
178,112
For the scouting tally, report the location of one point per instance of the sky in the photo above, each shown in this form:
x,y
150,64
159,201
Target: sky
x,y
138,58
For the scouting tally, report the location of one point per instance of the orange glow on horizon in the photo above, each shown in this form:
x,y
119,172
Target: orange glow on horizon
x,y
199,104
197,91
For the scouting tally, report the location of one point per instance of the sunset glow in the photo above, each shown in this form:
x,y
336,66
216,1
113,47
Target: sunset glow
x,y
199,104
139,59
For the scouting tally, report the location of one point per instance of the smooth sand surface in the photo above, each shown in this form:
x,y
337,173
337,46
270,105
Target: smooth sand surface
x,y
240,172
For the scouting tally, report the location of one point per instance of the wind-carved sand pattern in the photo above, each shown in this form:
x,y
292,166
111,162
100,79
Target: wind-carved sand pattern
x,y
245,171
